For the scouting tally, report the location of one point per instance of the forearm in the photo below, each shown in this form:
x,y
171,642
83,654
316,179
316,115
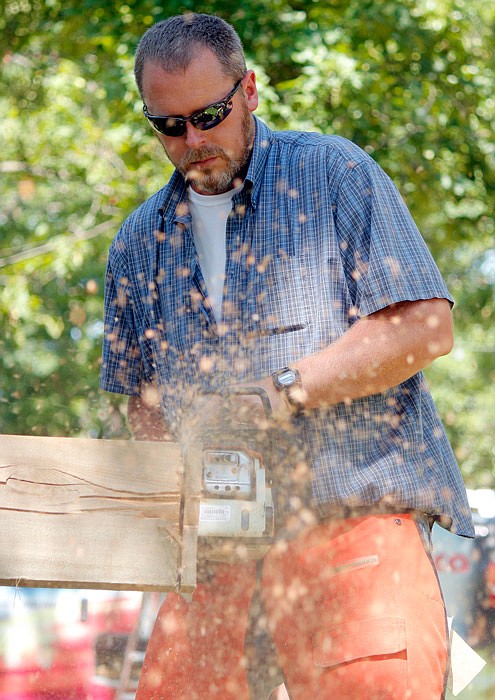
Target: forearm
x,y
145,416
377,353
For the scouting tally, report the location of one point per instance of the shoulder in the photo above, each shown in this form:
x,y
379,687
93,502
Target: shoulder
x,y
317,155
143,219
330,147
310,162
315,141
143,223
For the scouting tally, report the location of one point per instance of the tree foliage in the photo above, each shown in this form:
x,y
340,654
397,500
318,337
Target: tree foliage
x,y
411,82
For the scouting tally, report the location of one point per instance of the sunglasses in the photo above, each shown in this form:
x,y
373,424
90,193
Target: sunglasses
x,y
203,120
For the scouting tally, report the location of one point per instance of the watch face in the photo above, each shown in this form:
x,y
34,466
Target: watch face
x,y
287,378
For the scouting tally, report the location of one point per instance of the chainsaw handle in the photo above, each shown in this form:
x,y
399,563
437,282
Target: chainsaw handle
x,y
244,391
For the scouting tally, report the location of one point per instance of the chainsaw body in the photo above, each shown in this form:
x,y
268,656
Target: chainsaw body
x,y
241,483
228,474
236,499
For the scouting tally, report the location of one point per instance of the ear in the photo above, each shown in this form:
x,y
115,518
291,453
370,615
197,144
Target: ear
x,y
250,90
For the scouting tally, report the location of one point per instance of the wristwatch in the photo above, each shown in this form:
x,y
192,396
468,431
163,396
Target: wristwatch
x,y
285,380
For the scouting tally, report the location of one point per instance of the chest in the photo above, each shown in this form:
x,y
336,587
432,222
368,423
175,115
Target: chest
x,y
285,293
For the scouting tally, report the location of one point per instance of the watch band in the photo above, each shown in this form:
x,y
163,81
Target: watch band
x,y
286,380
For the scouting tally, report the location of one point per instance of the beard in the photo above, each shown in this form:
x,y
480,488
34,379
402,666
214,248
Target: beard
x,y
210,180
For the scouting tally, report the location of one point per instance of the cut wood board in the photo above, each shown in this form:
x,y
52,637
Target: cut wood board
x,y
77,512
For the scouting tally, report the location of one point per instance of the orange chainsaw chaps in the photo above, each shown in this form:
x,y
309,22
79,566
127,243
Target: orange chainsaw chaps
x,y
196,649
167,668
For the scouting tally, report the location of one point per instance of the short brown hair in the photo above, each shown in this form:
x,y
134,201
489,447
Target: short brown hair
x,y
169,43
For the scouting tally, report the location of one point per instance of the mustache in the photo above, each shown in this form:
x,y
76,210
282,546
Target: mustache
x,y
201,154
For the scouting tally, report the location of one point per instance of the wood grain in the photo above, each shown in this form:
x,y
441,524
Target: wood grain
x,y
76,512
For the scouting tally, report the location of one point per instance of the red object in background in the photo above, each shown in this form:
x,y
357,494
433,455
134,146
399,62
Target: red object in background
x,y
490,584
99,690
47,641
115,613
454,563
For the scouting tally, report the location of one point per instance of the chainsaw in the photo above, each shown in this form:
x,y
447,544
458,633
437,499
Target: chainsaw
x,y
242,479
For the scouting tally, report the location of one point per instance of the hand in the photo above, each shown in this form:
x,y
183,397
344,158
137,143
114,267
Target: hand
x,y
216,411
250,407
281,409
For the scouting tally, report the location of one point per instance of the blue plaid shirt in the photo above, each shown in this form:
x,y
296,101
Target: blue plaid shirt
x,y
317,238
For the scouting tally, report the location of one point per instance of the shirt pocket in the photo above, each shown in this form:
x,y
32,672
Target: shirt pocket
x,y
360,639
278,322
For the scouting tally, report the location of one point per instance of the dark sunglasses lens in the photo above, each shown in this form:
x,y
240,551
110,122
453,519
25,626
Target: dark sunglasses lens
x,y
169,126
211,116
204,120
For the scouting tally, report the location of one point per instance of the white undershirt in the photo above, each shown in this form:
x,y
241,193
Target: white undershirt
x,y
209,216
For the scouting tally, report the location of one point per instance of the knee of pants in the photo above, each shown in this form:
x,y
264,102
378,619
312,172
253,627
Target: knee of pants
x,y
196,649
168,663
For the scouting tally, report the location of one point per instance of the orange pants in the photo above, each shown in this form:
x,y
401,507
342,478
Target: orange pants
x,y
353,606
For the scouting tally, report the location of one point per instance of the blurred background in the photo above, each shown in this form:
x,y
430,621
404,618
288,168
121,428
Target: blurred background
x,y
411,82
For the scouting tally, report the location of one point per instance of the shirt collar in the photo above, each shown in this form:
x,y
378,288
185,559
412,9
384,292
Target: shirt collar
x,y
261,147
173,204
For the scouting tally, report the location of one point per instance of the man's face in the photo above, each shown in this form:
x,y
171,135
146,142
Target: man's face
x,y
210,160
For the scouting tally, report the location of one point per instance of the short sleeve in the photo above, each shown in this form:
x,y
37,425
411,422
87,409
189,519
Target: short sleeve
x,y
385,258
122,368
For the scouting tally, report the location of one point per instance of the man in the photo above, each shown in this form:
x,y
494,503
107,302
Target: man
x,y
288,260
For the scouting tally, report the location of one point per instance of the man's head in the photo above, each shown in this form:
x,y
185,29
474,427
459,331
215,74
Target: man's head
x,y
173,43
184,65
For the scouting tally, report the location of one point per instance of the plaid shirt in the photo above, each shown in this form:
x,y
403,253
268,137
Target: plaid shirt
x,y
318,237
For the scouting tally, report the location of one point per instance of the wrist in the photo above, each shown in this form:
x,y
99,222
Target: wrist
x,y
288,384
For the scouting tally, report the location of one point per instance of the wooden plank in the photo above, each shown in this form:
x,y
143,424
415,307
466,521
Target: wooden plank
x,y
76,512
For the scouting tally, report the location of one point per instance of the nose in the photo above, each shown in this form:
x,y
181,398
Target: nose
x,y
194,137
